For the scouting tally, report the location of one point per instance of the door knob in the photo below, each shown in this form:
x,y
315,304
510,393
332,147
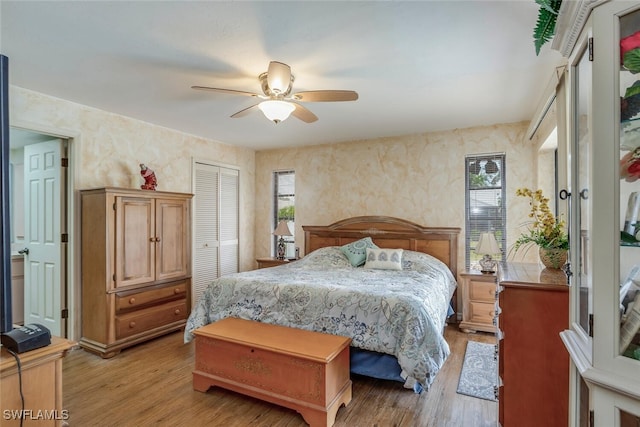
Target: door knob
x,y
24,251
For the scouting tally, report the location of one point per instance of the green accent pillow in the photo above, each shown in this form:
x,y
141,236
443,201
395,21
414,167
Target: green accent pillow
x,y
356,252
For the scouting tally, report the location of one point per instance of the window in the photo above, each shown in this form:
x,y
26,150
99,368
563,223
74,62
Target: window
x,y
484,205
284,197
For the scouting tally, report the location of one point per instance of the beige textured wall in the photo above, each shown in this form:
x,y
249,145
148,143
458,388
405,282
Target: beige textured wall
x,y
106,150
417,177
546,164
546,175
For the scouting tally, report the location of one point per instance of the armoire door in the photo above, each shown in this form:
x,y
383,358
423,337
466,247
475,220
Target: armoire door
x,y
135,241
172,244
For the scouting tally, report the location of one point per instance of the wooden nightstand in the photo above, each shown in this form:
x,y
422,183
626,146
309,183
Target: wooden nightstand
x,y
270,262
478,301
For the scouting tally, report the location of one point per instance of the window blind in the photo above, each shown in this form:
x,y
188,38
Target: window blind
x,y
284,198
485,210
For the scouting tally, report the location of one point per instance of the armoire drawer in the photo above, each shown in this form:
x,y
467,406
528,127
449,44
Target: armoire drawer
x,y
135,299
143,320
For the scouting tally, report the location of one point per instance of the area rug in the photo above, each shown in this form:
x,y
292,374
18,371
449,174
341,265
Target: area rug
x,y
479,374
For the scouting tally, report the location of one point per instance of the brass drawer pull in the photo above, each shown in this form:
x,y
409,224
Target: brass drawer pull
x,y
132,300
132,324
177,312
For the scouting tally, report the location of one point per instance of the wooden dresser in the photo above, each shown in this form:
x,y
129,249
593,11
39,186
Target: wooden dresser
x,y
136,266
41,386
533,364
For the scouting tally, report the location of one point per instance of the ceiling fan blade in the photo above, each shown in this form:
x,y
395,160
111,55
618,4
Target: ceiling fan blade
x,y
303,114
229,91
326,96
245,112
278,77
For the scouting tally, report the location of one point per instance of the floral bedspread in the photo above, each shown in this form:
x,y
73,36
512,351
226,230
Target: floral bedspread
x,y
401,313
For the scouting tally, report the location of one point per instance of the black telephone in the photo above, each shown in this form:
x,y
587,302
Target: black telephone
x,y
26,338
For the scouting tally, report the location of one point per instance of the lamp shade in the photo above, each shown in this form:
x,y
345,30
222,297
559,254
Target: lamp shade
x,y
487,245
276,111
282,229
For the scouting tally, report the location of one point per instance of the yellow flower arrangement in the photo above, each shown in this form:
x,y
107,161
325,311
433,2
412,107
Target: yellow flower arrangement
x,y
545,229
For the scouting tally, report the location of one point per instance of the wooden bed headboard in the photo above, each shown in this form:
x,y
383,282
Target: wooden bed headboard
x,y
387,232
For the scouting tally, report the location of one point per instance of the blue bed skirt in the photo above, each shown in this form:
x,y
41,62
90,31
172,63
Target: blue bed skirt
x,y
380,365
377,365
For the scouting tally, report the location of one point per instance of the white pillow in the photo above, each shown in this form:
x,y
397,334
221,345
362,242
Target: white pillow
x,y
384,259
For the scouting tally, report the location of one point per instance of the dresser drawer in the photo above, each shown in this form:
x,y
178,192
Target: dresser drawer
x,y
482,312
482,291
136,299
143,320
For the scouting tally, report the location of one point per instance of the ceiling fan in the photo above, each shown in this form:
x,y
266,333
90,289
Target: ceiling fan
x,y
277,100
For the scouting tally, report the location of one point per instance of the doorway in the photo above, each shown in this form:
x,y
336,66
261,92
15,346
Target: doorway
x,y
40,229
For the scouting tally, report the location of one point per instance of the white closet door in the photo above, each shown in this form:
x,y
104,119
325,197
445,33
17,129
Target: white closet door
x,y
206,237
215,226
228,221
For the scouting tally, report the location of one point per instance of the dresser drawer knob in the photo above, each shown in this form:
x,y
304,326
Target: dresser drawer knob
x,y
177,311
132,324
132,300
176,291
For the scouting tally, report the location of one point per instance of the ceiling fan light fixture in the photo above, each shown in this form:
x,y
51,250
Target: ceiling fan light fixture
x,y
275,110
278,101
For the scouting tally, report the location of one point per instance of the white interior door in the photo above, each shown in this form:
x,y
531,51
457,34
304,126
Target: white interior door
x,y
44,263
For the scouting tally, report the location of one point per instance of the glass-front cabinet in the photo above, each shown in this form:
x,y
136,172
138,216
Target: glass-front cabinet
x,y
601,41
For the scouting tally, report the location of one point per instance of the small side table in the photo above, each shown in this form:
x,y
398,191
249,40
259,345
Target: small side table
x,y
479,292
270,262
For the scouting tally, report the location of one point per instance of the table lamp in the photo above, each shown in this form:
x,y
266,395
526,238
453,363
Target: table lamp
x,y
487,246
281,230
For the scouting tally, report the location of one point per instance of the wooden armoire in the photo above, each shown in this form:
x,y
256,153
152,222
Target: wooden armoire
x,y
136,266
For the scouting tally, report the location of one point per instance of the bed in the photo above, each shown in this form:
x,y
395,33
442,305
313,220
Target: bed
x,y
394,317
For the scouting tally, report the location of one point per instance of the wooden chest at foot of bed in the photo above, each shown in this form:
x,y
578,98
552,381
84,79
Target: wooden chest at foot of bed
x,y
302,370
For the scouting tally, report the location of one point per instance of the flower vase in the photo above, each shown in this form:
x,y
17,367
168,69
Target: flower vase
x,y
553,258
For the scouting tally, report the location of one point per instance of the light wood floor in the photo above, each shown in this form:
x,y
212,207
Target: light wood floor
x,y
150,384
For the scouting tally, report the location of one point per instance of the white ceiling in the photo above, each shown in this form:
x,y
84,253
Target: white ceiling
x,y
418,66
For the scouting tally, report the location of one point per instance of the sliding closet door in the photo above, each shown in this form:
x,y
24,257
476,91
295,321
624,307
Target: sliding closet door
x,y
215,225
